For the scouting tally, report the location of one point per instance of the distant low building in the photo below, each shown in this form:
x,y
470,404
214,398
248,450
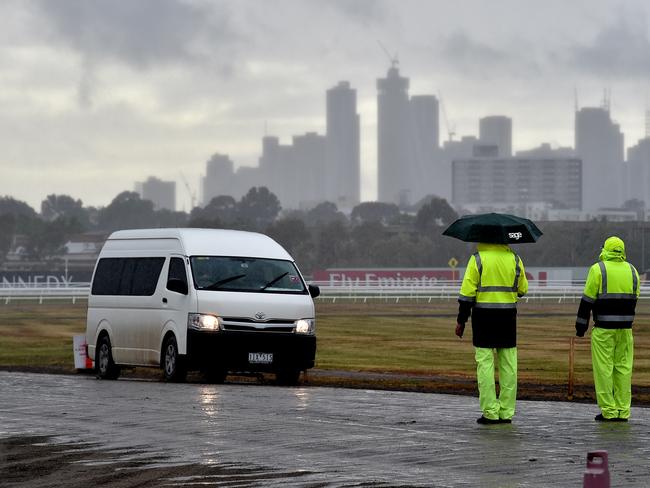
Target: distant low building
x,y
84,247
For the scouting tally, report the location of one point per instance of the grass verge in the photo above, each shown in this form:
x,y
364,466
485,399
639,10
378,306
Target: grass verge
x,y
406,346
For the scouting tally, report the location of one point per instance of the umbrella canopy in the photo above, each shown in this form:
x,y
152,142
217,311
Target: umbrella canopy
x,y
493,228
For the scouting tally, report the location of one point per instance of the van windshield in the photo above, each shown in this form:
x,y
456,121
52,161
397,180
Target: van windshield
x,y
246,274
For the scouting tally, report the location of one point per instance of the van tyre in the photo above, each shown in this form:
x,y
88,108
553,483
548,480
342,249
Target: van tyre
x,y
287,377
173,364
105,367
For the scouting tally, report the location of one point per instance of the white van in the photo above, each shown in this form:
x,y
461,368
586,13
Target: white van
x,y
218,301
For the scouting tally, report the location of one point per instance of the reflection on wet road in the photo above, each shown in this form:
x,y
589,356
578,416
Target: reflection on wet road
x,y
311,436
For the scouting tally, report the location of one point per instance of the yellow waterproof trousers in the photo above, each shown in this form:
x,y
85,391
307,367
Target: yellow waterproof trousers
x,y
612,356
491,406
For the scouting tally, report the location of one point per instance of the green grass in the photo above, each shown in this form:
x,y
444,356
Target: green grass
x,y
414,338
36,335
419,338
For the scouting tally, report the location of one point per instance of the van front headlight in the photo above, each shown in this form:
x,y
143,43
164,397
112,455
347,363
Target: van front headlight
x,y
305,326
202,321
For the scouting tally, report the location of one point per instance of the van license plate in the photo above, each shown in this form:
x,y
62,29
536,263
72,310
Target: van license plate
x,y
260,357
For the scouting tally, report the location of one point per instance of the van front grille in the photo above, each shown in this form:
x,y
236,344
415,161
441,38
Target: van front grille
x,y
250,325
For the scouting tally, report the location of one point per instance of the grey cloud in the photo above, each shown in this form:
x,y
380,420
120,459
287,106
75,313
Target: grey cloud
x,y
85,88
139,33
619,50
364,11
473,57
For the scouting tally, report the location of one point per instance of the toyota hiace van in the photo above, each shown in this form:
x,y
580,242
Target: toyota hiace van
x,y
218,301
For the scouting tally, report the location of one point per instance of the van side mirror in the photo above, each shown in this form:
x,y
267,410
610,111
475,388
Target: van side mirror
x,y
314,291
178,286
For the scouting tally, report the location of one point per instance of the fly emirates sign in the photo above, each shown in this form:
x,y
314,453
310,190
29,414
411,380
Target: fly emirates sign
x,y
416,276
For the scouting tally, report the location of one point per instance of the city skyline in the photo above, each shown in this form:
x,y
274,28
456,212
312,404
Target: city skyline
x,y
88,111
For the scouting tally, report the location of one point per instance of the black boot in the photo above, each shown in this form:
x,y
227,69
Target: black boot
x,y
487,421
600,418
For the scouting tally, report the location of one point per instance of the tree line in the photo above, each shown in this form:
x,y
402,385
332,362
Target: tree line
x,y
374,234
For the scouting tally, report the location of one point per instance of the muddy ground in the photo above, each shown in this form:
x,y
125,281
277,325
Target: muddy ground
x,y
36,462
455,385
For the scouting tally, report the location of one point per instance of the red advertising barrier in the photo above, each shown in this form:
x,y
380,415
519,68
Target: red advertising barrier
x,y
400,277
387,277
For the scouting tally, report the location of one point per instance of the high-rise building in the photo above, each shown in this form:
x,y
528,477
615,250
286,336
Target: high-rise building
x,y
638,170
516,182
246,177
307,175
600,144
394,160
497,130
161,193
274,165
295,173
424,135
342,183
450,151
219,177
407,142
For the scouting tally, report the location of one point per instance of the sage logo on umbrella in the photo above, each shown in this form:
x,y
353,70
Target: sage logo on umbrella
x,y
494,228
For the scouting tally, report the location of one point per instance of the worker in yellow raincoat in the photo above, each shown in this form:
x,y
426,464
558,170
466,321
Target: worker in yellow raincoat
x,y
611,292
494,280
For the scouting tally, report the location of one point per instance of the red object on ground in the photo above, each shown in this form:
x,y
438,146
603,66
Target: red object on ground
x,y
597,473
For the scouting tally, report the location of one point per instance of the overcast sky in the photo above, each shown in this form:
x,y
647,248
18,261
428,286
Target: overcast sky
x,y
98,94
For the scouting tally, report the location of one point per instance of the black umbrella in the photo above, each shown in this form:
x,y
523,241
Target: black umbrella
x,y
494,228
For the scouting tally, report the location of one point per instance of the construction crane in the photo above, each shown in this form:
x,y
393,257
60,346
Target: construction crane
x,y
191,193
394,61
451,129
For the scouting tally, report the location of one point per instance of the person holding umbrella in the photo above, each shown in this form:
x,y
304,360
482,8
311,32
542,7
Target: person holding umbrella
x,y
494,280
611,292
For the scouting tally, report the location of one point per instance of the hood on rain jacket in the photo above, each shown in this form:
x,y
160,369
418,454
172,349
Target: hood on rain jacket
x,y
611,290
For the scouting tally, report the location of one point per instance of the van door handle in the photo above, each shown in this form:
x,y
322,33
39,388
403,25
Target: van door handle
x,y
164,300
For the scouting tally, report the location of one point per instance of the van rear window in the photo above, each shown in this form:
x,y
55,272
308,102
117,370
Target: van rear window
x,y
127,276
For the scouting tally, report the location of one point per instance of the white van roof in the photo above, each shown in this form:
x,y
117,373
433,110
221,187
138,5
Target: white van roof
x,y
208,242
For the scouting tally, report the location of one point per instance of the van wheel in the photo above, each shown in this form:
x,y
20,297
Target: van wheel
x,y
173,364
105,367
287,377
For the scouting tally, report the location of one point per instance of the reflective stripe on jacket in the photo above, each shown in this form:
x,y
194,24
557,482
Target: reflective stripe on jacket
x,y
611,293
494,279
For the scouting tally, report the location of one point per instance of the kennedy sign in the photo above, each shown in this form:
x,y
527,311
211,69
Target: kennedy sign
x,y
29,279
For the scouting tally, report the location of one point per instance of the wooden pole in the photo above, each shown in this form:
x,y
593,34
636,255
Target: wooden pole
x,y
572,347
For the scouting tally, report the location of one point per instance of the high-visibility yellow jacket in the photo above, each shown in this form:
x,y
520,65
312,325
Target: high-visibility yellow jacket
x,y
494,279
611,292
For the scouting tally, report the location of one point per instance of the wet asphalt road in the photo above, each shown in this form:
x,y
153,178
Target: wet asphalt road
x,y
324,436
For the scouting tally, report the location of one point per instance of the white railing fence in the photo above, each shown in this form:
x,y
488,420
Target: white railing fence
x,y
332,291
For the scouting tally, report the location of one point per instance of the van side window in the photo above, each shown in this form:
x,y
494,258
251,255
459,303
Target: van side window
x,y
145,276
127,276
177,270
107,277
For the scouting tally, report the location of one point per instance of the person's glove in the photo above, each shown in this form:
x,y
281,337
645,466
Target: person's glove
x,y
581,329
